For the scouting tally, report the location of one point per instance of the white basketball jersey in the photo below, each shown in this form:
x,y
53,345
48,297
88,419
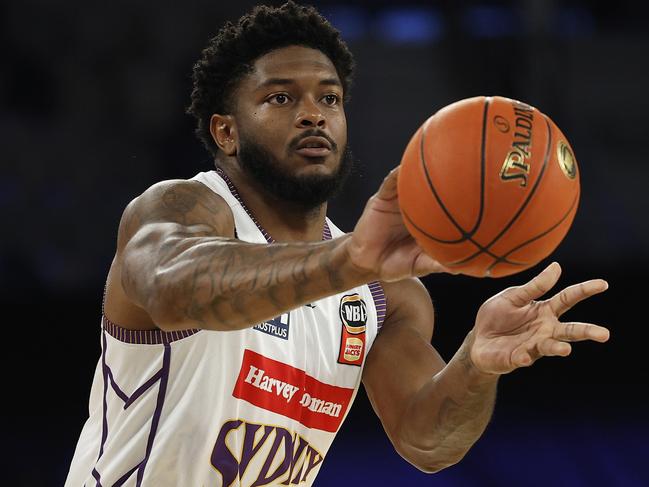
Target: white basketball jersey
x,y
255,407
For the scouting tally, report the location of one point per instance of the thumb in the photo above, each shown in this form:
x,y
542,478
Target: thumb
x,y
425,264
388,189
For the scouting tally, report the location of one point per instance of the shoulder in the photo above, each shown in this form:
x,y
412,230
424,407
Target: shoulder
x,y
177,201
408,305
180,195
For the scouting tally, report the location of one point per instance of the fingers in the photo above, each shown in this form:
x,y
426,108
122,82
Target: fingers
x,y
556,346
537,287
567,298
577,332
526,354
523,357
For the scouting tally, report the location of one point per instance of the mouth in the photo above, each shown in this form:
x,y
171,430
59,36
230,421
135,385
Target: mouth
x,y
314,147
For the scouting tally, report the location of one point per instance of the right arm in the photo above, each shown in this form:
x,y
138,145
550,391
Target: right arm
x,y
180,262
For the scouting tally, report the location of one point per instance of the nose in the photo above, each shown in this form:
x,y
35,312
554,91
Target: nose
x,y
310,116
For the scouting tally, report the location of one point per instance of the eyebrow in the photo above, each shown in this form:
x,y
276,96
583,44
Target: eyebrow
x,y
290,81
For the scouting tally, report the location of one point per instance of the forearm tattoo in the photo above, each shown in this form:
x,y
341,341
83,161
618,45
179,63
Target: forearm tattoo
x,y
465,409
220,282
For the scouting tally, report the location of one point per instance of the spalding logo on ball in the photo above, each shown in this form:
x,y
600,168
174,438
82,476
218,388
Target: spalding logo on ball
x,y
488,186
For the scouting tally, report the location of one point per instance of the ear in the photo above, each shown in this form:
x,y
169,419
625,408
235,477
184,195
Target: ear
x,y
224,132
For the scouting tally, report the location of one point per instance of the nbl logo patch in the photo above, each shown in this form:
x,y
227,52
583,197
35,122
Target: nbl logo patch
x,y
353,314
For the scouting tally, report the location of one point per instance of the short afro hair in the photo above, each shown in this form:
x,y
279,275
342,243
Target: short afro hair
x,y
230,55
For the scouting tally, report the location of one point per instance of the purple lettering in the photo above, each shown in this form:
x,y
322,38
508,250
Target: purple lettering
x,y
222,458
249,448
301,445
315,459
281,435
298,458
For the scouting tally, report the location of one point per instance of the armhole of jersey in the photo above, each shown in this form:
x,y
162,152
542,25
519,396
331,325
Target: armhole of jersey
x,y
380,303
144,337
140,337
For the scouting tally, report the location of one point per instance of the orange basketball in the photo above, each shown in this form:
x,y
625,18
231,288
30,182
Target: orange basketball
x,y
488,186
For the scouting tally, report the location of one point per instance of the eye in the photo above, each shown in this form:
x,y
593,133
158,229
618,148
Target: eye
x,y
278,99
331,99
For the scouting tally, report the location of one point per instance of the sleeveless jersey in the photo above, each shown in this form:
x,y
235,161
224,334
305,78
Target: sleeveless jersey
x,y
200,408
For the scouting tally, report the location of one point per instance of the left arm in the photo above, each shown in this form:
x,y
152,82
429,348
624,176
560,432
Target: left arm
x,y
431,411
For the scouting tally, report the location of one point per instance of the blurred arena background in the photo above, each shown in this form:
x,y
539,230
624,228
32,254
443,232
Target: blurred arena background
x,y
93,97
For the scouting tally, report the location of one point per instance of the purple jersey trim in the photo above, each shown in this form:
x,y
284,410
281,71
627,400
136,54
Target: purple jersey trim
x,y
125,477
326,231
161,375
235,193
115,387
145,337
162,392
143,388
104,423
95,474
379,302
375,287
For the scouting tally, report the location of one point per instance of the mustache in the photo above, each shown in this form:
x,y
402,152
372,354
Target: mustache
x,y
312,133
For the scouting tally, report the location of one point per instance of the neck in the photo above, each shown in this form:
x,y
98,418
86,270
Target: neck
x,y
285,221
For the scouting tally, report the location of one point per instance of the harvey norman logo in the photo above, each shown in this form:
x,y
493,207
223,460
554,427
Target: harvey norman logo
x,y
291,392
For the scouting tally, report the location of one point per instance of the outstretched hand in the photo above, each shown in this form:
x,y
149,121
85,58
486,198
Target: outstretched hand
x,y
514,330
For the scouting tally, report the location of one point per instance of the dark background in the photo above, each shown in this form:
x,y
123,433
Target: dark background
x,y
93,97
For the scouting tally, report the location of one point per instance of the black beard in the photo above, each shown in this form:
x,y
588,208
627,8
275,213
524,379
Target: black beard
x,y
308,192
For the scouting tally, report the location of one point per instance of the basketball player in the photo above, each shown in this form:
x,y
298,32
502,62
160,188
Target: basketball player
x,y
239,321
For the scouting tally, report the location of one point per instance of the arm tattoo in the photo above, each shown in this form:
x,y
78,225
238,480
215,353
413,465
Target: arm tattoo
x,y
460,407
178,201
199,275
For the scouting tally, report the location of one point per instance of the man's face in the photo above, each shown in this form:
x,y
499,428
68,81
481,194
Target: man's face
x,y
292,127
